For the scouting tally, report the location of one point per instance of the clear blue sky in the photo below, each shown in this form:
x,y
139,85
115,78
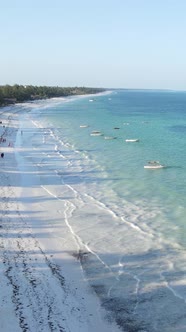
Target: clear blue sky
x,y
97,43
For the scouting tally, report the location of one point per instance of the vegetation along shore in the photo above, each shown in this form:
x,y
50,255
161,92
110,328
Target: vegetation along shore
x,y
20,93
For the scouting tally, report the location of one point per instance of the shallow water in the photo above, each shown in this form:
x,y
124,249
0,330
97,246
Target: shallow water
x,y
128,222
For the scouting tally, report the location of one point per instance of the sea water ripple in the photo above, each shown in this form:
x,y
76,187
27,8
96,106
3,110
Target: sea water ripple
x,y
128,223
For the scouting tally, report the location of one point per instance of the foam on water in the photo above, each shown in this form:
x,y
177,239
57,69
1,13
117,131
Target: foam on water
x,y
128,221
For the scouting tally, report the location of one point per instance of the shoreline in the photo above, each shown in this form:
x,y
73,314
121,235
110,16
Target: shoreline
x,y
43,284
78,91
54,217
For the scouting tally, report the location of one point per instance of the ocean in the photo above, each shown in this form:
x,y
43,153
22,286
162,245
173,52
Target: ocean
x,y
128,222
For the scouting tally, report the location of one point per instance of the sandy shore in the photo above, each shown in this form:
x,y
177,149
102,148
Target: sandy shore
x,y
41,280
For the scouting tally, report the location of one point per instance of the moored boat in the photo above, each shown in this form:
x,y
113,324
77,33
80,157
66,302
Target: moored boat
x,y
132,140
96,133
84,126
110,137
153,164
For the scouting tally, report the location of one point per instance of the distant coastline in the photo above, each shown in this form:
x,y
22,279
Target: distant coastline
x,y
21,93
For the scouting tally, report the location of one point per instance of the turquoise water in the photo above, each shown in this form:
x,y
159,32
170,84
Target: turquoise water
x,y
158,120
130,220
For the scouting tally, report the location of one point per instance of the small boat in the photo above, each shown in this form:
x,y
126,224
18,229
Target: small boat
x,y
96,133
110,137
153,164
84,126
132,140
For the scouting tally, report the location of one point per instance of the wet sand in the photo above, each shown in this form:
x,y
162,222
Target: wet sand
x,y
42,284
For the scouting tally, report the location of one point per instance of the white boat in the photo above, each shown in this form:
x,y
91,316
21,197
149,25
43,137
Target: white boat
x,y
84,126
132,140
153,164
96,133
110,137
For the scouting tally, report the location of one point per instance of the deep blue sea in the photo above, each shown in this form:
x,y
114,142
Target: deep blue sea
x,y
129,220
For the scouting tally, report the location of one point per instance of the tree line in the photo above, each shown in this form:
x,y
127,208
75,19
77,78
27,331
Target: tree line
x,y
20,93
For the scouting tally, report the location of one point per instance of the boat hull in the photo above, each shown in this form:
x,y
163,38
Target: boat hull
x,y
154,167
132,140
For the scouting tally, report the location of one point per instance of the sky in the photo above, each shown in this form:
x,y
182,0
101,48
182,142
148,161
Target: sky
x,y
137,44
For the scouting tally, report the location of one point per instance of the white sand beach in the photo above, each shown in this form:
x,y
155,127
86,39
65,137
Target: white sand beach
x,y
42,284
